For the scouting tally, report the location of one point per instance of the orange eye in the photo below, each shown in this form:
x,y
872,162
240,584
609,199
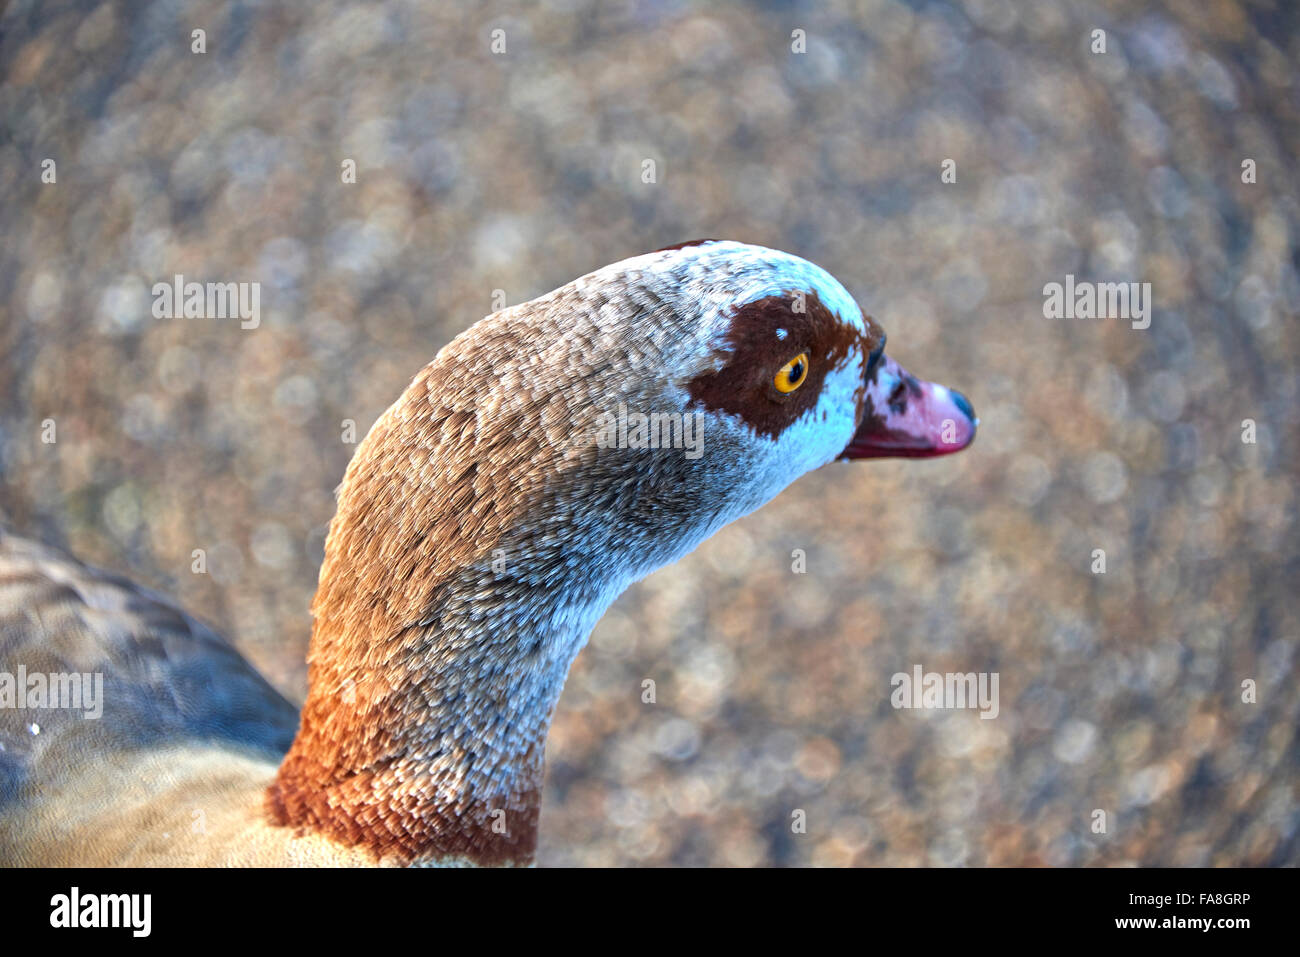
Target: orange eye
x,y
792,374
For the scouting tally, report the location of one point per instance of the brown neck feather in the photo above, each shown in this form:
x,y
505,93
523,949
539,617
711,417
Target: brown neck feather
x,y
423,734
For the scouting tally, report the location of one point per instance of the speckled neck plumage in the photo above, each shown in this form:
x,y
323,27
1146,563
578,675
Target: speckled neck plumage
x,y
452,599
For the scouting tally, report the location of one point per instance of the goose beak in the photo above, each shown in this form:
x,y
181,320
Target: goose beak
x,y
907,417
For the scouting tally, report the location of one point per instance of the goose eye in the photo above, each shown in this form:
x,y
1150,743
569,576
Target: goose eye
x,y
792,374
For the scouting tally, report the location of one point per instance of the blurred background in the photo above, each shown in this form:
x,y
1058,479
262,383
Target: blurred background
x,y
521,170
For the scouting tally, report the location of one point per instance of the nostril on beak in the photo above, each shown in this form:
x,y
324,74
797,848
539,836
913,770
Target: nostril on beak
x,y
963,403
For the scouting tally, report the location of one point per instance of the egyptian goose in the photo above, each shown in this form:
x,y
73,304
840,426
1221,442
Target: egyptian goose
x,y
485,523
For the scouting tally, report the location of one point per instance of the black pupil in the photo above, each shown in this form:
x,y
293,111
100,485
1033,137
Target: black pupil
x,y
796,370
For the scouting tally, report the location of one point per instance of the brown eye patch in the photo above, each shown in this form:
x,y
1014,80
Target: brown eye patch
x,y
762,337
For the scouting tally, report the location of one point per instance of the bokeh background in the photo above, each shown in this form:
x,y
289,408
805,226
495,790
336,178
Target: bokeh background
x,y
476,172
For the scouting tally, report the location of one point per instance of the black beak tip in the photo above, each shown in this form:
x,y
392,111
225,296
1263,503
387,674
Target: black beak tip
x,y
963,403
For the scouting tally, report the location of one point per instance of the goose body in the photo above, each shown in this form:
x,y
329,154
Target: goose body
x,y
484,525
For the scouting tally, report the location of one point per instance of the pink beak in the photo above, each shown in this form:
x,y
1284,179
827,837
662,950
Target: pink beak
x,y
909,418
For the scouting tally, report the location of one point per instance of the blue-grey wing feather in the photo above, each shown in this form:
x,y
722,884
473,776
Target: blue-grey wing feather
x,y
166,676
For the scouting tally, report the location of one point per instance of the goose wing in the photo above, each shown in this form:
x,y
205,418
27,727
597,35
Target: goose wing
x,y
162,676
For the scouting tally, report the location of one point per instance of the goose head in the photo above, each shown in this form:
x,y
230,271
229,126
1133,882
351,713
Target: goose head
x,y
550,455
